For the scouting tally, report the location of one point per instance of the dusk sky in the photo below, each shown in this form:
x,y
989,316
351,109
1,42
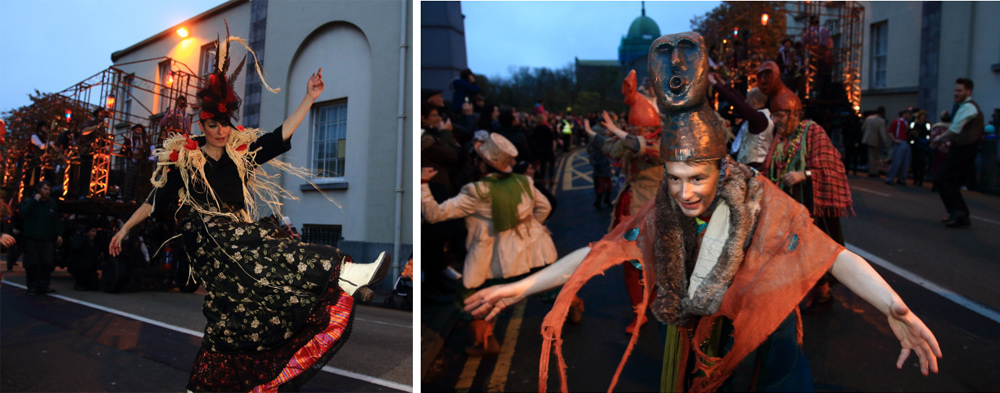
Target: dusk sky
x,y
51,45
501,35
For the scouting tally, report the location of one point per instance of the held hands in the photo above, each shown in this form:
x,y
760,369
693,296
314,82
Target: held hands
x,y
488,302
793,178
913,336
315,85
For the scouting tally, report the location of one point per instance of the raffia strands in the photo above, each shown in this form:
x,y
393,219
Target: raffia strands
x,y
256,64
260,189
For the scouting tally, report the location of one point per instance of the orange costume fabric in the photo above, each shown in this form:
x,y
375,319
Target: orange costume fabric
x,y
786,256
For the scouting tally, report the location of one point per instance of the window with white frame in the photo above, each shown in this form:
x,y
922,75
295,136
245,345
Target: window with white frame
x,y
164,73
880,38
207,60
329,139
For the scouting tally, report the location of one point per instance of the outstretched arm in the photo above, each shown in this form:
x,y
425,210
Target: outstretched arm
x,y
313,89
488,302
913,335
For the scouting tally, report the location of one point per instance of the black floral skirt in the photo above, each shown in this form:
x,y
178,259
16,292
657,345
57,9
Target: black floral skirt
x,y
275,312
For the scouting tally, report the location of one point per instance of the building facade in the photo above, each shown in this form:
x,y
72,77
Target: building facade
x,y
356,139
914,51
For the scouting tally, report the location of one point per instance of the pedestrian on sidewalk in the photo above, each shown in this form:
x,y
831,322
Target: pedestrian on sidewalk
x,y
42,234
901,153
875,137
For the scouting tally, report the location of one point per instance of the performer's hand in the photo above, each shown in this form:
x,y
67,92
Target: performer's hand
x,y
426,174
115,247
793,178
914,336
488,302
7,240
315,86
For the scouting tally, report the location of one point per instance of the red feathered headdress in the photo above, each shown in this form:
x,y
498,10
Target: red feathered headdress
x,y
217,99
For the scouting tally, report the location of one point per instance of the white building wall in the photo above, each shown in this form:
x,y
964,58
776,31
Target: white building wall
x,y
357,43
187,51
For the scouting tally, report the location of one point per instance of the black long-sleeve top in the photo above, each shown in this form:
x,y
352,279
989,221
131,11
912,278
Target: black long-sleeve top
x,y
758,122
222,175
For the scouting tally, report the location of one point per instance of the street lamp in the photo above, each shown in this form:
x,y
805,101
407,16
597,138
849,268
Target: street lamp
x,y
763,19
182,32
110,101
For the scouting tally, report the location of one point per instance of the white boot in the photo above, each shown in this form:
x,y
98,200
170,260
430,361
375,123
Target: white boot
x,y
355,277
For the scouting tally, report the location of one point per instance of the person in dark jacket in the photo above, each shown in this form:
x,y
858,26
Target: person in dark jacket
x,y
42,227
511,129
463,88
87,253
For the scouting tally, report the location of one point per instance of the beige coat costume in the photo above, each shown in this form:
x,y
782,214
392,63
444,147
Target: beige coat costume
x,y
495,255
643,170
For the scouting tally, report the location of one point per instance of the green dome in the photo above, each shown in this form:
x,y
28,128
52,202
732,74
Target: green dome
x,y
643,28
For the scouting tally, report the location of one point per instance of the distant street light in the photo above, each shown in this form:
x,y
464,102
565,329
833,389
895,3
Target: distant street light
x,y
111,101
182,32
763,19
69,115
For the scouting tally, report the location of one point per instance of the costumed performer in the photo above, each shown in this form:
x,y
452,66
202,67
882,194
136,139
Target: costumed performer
x,y
638,152
277,309
731,256
802,151
503,213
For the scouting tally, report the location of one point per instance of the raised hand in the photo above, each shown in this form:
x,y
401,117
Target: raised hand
x,y
315,86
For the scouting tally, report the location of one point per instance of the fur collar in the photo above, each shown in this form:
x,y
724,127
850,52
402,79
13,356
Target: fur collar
x,y
676,241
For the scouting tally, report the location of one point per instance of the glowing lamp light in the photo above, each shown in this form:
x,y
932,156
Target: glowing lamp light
x,y
724,41
170,77
110,101
763,19
736,31
69,115
182,32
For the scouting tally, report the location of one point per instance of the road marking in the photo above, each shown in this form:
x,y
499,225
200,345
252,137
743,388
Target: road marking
x,y
499,378
383,323
923,282
570,172
869,191
468,374
371,380
332,370
985,219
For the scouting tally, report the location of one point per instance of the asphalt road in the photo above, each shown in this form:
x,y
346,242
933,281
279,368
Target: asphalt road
x,y
146,341
944,275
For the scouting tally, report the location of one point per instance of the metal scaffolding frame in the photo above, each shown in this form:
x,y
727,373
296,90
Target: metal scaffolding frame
x,y
845,23
108,89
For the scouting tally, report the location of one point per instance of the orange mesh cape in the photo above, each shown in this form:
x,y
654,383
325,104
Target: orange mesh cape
x,y
786,257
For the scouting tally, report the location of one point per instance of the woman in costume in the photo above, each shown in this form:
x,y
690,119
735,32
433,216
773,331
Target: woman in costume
x,y
503,213
277,309
731,306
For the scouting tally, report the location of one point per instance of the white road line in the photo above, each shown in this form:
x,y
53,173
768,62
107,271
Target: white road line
x,y
927,284
383,323
371,380
332,370
870,191
985,219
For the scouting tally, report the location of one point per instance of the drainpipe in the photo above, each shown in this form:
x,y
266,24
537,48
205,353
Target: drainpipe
x,y
400,122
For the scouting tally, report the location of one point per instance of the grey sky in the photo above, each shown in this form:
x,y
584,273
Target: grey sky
x,y
501,35
50,45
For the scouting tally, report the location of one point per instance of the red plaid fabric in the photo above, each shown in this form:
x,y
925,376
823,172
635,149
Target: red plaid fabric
x,y
831,192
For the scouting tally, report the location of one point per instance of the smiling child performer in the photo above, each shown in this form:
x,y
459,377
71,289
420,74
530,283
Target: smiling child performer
x,y
729,253
277,309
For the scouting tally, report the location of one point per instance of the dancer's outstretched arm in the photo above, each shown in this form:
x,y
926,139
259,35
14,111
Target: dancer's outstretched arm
x,y
488,302
855,273
313,89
